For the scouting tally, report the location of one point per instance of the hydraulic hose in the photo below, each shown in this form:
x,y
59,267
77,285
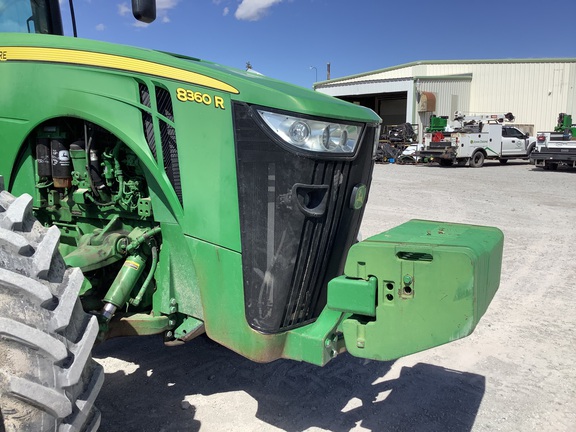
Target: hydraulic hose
x,y
154,250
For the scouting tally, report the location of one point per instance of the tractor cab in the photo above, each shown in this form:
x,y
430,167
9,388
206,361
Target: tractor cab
x,y
44,17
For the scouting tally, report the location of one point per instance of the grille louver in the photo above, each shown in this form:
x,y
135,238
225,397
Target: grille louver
x,y
163,107
164,103
170,156
147,123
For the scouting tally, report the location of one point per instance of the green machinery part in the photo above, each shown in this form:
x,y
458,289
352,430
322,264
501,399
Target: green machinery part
x,y
419,285
437,124
564,124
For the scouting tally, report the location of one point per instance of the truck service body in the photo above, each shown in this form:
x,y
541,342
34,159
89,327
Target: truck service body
x,y
556,148
473,139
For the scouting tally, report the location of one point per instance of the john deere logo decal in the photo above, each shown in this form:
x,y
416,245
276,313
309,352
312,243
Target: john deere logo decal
x,y
358,196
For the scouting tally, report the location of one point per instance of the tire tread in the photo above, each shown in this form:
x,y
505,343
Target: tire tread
x,y
42,321
48,399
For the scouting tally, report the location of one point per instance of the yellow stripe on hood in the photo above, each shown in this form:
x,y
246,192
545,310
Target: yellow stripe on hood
x,y
87,58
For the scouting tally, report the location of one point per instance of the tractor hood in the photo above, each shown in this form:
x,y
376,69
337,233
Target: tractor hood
x,y
242,85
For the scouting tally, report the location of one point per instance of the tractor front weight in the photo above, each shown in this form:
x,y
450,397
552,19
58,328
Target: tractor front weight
x,y
414,287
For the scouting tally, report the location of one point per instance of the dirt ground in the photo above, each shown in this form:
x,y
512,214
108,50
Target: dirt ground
x,y
514,373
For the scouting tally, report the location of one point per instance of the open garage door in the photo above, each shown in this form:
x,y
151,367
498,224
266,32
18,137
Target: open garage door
x,y
390,106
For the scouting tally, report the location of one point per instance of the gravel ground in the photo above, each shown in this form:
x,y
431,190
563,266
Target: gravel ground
x,y
514,373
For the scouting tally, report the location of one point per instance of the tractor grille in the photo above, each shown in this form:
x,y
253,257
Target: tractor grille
x,y
170,156
169,145
168,139
144,94
164,103
147,122
296,224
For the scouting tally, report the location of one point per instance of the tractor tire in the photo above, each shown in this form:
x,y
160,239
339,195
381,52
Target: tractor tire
x,y
477,159
48,380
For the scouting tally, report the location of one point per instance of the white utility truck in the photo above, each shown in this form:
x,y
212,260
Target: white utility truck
x,y
556,148
474,138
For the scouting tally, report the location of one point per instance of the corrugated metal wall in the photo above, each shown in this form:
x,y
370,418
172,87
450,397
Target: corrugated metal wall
x,y
534,90
451,95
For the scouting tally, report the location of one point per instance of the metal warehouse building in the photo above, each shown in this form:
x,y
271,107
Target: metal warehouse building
x,y
534,90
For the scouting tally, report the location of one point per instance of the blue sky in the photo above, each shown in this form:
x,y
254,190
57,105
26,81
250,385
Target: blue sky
x,y
284,38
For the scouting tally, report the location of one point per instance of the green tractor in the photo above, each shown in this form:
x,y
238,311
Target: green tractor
x,y
151,193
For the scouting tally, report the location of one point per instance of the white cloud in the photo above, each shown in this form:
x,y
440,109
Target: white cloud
x,y
166,4
100,27
226,11
253,10
123,9
162,8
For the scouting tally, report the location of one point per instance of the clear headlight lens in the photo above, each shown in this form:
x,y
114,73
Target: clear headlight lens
x,y
313,135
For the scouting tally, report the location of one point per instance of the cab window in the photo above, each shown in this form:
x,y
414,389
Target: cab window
x,y
25,16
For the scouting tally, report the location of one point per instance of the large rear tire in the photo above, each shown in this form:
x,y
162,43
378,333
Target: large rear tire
x,y
48,380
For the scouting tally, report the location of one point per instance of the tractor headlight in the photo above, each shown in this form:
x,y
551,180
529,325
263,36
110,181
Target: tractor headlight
x,y
312,134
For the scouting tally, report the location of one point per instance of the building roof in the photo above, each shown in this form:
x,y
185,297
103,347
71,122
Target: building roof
x,y
440,62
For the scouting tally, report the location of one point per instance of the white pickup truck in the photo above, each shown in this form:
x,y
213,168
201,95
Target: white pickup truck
x,y
553,149
473,144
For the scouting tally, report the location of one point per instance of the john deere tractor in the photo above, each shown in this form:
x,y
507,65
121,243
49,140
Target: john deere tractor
x,y
152,193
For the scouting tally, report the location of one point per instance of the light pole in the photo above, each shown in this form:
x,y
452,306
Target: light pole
x,y
316,71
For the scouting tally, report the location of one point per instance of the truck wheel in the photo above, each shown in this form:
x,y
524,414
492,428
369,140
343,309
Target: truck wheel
x,y
477,159
550,166
48,380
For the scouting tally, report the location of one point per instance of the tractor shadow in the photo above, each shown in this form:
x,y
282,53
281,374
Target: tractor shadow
x,y
150,392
